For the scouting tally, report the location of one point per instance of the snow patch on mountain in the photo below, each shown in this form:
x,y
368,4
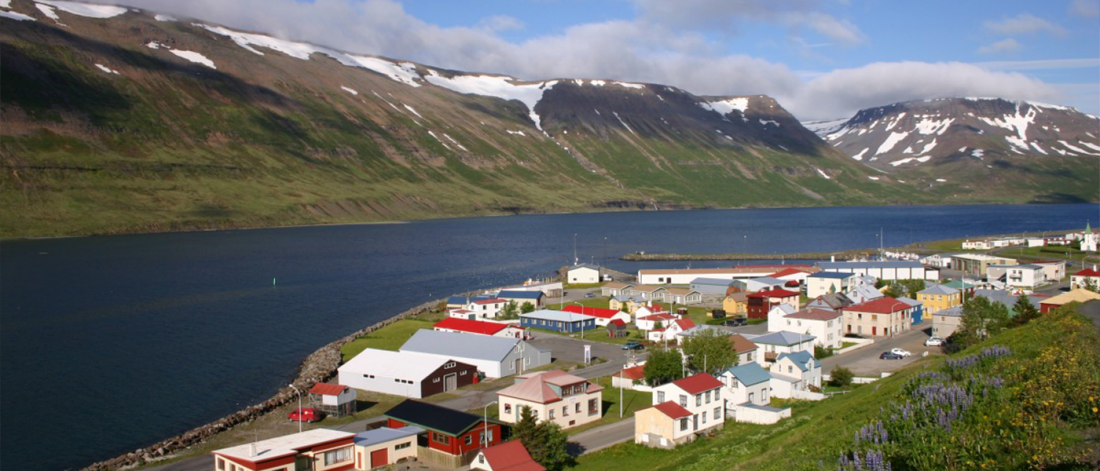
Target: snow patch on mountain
x,y
928,126
49,12
769,121
895,121
349,90
404,72
407,107
440,141
725,107
911,159
194,57
163,17
616,113
107,69
891,141
89,10
5,4
496,86
1014,122
15,16
630,85
822,174
859,156
978,154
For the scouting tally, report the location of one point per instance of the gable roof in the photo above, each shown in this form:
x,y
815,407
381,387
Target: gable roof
x,y
1077,295
534,388
815,314
938,289
516,294
684,323
766,280
956,311
749,373
711,282
459,346
385,434
698,383
739,296
401,365
801,359
784,338
583,265
680,291
832,300
469,325
910,301
671,409
616,285
617,323
326,389
634,372
510,456
1087,272
286,445
592,311
491,301
466,299
884,305
773,293
742,344
430,416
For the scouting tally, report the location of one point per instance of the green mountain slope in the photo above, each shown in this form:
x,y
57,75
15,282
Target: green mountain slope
x,y
125,124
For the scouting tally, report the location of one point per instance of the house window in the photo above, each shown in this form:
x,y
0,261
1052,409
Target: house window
x,y
402,446
440,438
470,439
764,394
790,369
507,409
660,397
751,395
337,456
717,393
221,464
704,414
593,407
683,424
449,365
717,413
707,394
551,411
481,458
578,408
698,400
683,400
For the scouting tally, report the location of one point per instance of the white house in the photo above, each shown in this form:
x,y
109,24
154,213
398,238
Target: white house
x,y
405,374
495,357
700,394
583,274
485,308
799,370
333,399
862,293
748,390
650,322
826,326
771,345
1085,277
670,330
552,396
1022,276
776,315
1053,270
977,245
825,282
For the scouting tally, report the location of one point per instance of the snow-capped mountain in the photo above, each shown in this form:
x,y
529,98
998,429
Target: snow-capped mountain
x,y
984,130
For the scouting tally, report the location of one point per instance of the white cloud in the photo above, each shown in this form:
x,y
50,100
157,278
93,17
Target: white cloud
x,y
501,23
635,51
1024,23
728,15
1085,8
1004,45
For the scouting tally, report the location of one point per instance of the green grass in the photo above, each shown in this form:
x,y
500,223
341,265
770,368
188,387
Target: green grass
x,y
390,337
1069,253
569,286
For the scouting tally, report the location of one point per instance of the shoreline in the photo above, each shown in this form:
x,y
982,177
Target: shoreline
x,y
214,227
317,367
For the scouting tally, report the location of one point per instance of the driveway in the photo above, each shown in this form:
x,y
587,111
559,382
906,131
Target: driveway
x,y
865,361
572,349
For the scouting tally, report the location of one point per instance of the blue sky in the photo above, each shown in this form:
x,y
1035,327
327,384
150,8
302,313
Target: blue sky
x,y
821,59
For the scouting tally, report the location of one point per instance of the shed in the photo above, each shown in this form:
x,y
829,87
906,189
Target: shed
x,y
336,400
616,329
385,446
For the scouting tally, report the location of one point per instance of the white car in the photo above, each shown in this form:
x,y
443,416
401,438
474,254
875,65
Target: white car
x,y
899,351
934,342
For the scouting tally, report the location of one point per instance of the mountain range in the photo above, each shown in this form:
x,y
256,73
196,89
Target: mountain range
x,y
122,120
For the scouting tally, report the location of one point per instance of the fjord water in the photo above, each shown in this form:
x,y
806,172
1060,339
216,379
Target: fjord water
x,y
112,343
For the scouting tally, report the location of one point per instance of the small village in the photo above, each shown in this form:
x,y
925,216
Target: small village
x,y
530,377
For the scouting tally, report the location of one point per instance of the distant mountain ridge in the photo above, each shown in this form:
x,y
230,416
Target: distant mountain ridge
x,y
121,120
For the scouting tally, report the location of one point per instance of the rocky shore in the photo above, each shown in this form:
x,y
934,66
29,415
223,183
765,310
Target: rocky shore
x,y
318,367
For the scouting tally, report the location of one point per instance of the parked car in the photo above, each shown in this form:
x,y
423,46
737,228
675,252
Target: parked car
x,y
590,295
890,356
900,351
305,414
853,336
934,342
633,346
736,321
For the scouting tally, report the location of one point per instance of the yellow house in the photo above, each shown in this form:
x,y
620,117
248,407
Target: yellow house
x,y
618,302
736,303
938,298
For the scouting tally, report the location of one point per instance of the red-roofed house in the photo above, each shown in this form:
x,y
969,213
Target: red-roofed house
x,y
649,322
681,409
669,329
313,449
883,317
333,399
555,396
508,456
760,303
1083,277
631,378
469,326
616,329
603,316
792,274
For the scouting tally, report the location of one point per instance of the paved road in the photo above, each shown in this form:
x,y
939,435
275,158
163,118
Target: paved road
x,y
599,438
865,361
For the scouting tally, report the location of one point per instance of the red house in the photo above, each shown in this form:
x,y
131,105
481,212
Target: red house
x,y
760,303
450,431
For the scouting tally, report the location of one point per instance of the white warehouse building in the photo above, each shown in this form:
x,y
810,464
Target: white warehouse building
x,y
888,271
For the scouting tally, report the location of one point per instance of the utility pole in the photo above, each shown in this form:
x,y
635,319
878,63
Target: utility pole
x,y
575,259
621,391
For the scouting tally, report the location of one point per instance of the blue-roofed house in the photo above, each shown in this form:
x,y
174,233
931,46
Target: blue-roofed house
x,y
793,372
748,391
536,298
772,344
825,282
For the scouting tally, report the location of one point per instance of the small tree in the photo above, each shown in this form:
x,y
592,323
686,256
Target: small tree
x,y
981,319
510,311
1024,311
841,377
663,365
1090,285
545,441
822,352
710,350
525,428
527,307
895,290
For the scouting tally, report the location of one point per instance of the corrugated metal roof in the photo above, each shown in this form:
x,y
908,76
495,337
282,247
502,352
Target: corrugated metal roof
x,y
557,316
853,265
783,337
750,374
403,365
459,346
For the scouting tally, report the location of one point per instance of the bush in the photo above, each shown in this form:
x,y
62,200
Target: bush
x,y
841,377
821,352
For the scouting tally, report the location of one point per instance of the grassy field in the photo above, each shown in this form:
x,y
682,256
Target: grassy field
x,y
632,401
1070,254
392,336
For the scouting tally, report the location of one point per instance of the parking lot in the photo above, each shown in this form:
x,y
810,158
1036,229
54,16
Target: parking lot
x,y
865,361
572,349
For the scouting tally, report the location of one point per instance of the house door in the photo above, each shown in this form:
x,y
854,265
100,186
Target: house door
x,y
874,331
450,382
379,458
519,364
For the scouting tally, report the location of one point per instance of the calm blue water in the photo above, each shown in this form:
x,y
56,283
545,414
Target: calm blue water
x,y
113,343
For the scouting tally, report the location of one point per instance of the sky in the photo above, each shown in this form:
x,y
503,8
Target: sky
x,y
821,59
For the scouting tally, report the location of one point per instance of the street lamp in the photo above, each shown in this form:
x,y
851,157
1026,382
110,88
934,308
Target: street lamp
x,y
582,319
299,406
485,416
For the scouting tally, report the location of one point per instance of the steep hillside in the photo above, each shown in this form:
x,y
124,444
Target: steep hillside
x,y
1007,146
119,120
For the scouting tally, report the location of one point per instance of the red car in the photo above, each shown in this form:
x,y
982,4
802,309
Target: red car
x,y
305,414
